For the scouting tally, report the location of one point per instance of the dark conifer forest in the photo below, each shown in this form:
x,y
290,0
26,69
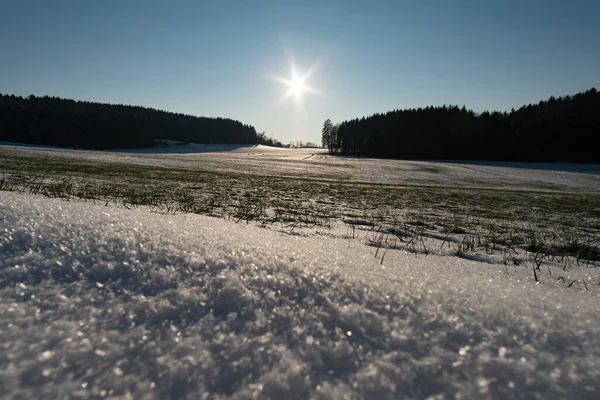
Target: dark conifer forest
x,y
558,129
62,122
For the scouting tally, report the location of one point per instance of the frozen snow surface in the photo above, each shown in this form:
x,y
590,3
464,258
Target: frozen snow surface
x,y
101,302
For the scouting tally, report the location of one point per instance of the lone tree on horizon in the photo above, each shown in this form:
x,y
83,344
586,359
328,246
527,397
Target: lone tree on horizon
x,y
326,134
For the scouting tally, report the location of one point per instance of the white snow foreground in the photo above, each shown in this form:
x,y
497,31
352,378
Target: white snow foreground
x,y
98,301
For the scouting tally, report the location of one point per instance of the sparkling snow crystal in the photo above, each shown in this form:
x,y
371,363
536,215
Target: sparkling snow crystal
x,y
100,301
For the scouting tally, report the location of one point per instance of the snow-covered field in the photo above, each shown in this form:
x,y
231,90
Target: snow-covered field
x,y
104,301
315,163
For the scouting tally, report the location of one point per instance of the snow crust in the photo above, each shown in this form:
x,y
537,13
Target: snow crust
x,y
99,301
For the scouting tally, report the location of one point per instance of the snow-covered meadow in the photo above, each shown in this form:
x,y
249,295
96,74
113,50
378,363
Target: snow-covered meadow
x,y
101,299
316,164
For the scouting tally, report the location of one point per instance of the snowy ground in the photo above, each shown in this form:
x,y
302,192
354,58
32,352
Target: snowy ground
x,y
103,301
317,164
324,277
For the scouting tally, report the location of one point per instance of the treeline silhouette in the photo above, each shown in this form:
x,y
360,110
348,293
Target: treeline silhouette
x,y
63,122
558,129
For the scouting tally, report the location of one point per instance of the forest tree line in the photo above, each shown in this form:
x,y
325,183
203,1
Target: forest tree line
x,y
69,123
558,129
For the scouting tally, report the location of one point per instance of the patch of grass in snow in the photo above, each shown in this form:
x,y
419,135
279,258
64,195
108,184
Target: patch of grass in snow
x,y
556,226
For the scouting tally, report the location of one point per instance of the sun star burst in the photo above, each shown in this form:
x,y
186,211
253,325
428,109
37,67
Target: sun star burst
x,y
296,83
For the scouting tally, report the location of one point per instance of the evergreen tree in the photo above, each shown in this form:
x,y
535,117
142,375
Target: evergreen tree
x,y
326,134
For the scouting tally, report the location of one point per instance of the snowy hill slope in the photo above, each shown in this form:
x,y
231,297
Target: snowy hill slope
x,y
99,301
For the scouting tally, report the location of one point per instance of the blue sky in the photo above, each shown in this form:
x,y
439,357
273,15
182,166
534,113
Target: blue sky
x,y
216,58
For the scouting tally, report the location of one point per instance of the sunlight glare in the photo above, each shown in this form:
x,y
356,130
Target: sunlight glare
x,y
297,83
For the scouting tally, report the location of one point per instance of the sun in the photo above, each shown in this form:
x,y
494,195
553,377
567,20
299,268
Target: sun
x,y
296,83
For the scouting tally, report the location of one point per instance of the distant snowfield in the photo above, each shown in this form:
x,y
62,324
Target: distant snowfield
x,y
101,301
168,147
317,164
173,147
